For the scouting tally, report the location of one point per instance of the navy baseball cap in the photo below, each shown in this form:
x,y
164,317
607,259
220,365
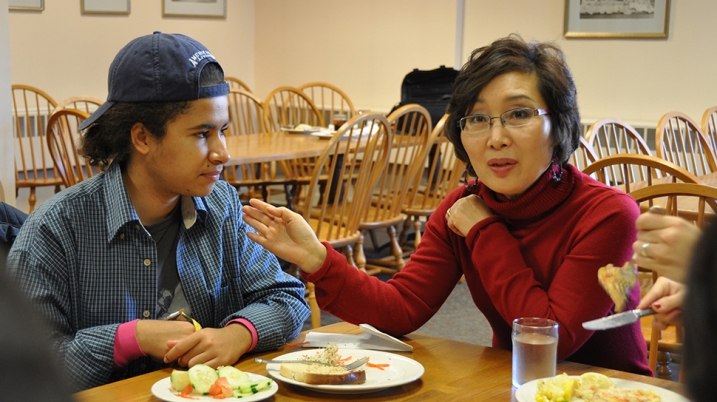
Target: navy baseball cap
x,y
158,68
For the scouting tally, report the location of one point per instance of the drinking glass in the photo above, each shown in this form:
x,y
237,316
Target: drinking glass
x,y
535,349
339,120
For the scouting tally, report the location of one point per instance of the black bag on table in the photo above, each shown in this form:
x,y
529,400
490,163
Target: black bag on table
x,y
431,89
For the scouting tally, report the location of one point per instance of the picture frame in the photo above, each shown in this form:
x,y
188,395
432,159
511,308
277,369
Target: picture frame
x,y
105,7
26,5
617,18
194,8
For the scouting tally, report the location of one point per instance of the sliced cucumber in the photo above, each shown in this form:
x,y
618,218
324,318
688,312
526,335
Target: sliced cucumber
x,y
254,387
202,377
179,380
234,376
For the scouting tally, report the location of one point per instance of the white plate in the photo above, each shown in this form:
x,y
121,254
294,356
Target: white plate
x,y
401,370
526,392
324,134
307,130
163,390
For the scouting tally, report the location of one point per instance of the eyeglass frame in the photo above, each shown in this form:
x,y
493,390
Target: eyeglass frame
x,y
536,112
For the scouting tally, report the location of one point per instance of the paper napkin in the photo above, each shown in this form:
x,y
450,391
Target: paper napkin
x,y
371,339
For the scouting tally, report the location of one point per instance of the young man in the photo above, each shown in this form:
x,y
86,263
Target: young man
x,y
111,261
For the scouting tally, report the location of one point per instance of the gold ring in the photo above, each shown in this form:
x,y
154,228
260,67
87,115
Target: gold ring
x,y
448,213
643,250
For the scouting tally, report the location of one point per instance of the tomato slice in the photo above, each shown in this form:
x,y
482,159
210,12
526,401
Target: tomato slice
x,y
221,389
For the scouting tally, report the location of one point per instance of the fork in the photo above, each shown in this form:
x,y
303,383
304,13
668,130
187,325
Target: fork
x,y
269,361
352,366
358,363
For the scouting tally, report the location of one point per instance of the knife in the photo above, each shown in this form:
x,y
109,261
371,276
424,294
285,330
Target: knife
x,y
617,320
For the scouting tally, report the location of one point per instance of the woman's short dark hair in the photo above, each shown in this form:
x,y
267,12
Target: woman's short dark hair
x,y
513,54
700,319
108,140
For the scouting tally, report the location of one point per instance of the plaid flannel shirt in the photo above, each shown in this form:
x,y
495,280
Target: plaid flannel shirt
x,y
88,264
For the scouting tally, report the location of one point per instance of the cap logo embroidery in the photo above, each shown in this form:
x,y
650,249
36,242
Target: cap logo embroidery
x,y
199,56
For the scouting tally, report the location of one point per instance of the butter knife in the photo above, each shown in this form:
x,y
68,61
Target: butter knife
x,y
617,320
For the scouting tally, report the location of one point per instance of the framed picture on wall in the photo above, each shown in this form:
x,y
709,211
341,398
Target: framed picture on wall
x,y
616,18
36,5
194,8
105,6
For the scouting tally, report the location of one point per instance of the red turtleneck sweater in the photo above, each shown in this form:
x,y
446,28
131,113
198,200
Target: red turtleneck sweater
x,y
538,257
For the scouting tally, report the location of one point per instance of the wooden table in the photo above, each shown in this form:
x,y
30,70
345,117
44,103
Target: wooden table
x,y
269,147
454,371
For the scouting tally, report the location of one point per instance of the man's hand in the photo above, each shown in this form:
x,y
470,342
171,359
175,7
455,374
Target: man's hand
x,y
153,335
211,346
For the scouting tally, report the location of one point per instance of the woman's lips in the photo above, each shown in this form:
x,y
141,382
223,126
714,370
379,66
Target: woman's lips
x,y
502,166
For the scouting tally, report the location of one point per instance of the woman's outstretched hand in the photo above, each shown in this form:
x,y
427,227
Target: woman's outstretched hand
x,y
284,233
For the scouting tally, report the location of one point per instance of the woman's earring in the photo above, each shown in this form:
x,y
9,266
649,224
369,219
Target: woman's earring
x,y
466,178
557,170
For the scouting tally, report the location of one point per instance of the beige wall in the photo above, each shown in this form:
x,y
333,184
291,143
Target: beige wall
x,y
67,54
367,46
373,43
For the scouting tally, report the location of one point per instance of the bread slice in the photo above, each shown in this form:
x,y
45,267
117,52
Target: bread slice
x,y
318,374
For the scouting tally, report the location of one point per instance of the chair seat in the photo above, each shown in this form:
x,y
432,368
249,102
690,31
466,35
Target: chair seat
x,y
668,337
39,182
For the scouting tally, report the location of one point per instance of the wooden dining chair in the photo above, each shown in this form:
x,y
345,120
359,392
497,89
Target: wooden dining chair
x,y
286,107
85,103
32,108
612,136
627,170
440,174
411,126
662,343
237,83
680,141
709,126
583,156
329,99
63,136
355,158
246,116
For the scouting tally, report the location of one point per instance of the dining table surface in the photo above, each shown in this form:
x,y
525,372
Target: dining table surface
x,y
454,371
272,146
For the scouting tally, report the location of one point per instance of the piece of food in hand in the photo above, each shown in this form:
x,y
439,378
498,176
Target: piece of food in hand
x,y
321,375
617,282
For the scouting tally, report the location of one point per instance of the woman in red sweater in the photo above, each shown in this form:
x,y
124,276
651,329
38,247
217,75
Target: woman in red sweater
x,y
529,235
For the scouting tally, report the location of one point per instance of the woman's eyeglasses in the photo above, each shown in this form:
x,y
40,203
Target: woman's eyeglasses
x,y
480,123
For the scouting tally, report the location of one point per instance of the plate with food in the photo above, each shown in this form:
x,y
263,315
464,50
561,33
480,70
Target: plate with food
x,y
383,370
204,383
303,129
593,387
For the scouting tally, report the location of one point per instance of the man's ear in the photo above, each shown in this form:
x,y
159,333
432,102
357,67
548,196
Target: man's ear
x,y
140,138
